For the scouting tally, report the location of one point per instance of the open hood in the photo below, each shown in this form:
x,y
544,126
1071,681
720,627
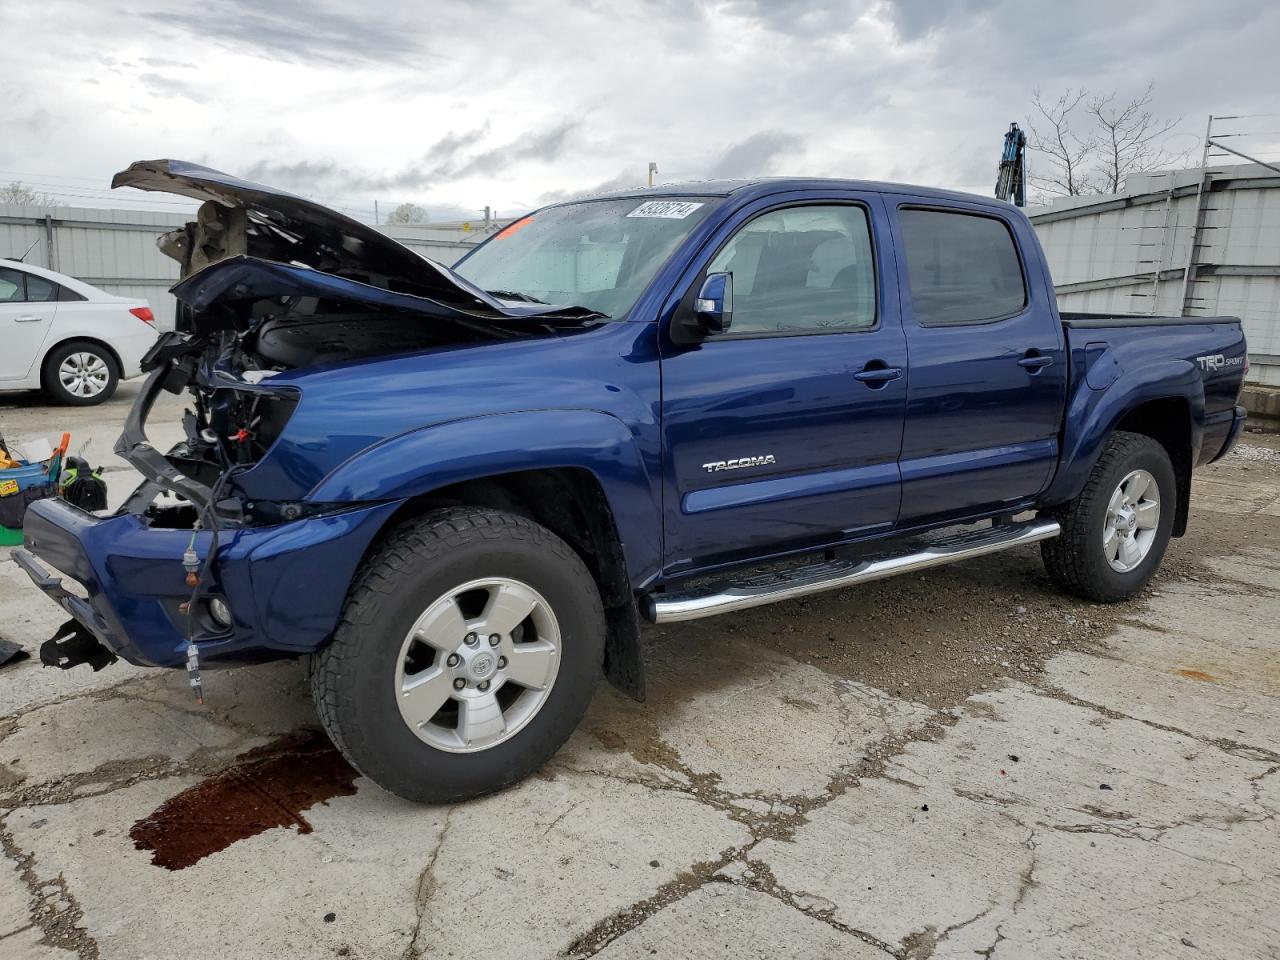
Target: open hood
x,y
247,232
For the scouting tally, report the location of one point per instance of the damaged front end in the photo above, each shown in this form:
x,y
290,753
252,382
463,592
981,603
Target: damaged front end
x,y
219,554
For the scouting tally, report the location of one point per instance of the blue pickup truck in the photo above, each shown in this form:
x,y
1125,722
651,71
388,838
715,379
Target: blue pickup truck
x,y
457,491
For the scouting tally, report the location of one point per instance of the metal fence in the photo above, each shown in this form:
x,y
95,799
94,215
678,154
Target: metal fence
x,y
1172,245
115,249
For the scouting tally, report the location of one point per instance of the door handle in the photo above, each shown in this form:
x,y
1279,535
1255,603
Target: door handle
x,y
27,318
1034,361
878,375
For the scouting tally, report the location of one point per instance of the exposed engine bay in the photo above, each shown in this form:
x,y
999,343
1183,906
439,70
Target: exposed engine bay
x,y
272,282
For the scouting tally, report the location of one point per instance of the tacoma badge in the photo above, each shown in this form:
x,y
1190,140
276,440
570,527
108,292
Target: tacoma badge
x,y
717,465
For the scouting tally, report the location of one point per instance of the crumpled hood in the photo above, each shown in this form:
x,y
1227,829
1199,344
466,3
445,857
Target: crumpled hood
x,y
250,240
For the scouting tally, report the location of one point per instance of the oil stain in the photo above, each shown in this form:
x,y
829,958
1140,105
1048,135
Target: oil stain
x,y
1197,675
266,787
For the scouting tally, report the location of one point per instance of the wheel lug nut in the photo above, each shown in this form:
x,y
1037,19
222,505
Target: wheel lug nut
x,y
502,662
459,684
471,640
453,660
484,684
493,639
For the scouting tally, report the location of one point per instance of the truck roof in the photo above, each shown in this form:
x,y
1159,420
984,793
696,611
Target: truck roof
x,y
764,186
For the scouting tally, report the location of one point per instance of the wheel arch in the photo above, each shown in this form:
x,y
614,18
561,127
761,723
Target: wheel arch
x,y
1164,401
580,473
571,503
1168,422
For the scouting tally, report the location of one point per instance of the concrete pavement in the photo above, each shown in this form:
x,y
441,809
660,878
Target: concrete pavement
x,y
967,764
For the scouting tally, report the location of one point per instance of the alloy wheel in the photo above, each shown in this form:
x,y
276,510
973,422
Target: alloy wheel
x,y
477,665
1133,516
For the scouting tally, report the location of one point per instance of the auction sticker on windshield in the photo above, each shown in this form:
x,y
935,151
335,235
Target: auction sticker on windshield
x,y
665,209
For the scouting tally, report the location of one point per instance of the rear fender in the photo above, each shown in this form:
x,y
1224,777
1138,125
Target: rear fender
x,y
420,461
1092,416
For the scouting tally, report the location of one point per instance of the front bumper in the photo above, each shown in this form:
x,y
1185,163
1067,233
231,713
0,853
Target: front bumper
x,y
285,584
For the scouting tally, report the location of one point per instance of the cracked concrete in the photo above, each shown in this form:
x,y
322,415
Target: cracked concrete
x,y
967,764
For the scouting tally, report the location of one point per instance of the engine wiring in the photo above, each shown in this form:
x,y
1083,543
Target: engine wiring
x,y
198,572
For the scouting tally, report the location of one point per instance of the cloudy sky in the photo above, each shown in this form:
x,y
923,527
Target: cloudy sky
x,y
454,105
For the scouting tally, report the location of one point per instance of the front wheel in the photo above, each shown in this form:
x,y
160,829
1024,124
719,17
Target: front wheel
x,y
468,651
1115,533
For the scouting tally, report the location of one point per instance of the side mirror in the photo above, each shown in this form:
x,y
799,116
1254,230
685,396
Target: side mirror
x,y
714,306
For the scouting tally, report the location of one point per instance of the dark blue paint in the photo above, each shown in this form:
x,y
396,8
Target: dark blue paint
x,y
796,398
981,428
873,433
286,584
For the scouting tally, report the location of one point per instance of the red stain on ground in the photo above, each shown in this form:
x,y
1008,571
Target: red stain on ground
x,y
266,787
1197,675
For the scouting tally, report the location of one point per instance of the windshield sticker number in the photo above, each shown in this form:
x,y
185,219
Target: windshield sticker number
x,y
665,209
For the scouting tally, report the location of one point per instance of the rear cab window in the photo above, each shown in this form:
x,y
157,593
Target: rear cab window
x,y
962,267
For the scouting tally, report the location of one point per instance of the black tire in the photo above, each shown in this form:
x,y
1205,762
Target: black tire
x,y
353,677
53,386
1076,560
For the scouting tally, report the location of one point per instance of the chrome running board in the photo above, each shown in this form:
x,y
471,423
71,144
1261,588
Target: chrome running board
x,y
755,591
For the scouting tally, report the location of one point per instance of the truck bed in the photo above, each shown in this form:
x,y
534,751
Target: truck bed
x,y
1087,321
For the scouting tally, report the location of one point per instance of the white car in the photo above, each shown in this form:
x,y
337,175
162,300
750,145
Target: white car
x,y
73,340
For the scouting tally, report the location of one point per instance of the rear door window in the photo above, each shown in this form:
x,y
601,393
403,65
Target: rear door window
x,y
961,268
11,286
39,289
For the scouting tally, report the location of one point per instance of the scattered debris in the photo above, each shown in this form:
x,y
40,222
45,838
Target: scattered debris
x,y
11,653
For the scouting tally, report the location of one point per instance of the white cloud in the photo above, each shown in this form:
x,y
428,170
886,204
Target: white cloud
x,y
506,103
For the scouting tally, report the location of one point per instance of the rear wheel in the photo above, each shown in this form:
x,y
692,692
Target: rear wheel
x,y
80,373
468,651
1115,533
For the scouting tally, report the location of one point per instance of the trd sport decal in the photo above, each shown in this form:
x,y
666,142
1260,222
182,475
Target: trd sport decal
x,y
1218,362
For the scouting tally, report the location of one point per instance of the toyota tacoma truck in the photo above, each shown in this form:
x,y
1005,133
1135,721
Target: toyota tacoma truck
x,y
457,491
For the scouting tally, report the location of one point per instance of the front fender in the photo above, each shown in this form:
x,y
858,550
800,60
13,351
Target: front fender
x,y
420,461
1093,414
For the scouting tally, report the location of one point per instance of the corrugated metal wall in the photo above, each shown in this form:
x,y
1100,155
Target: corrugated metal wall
x,y
1126,253
111,249
115,250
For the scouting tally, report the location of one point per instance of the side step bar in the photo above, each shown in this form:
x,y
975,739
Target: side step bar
x,y
726,597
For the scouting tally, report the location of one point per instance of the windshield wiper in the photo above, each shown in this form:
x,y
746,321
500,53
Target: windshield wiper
x,y
514,295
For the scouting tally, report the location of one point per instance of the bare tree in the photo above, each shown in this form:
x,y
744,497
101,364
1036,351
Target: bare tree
x,y
407,213
1067,154
1129,138
1090,143
18,192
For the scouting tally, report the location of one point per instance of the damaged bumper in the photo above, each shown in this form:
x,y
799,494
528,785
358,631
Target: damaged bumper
x,y
285,583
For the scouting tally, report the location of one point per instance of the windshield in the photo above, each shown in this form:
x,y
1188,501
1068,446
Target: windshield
x,y
598,254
